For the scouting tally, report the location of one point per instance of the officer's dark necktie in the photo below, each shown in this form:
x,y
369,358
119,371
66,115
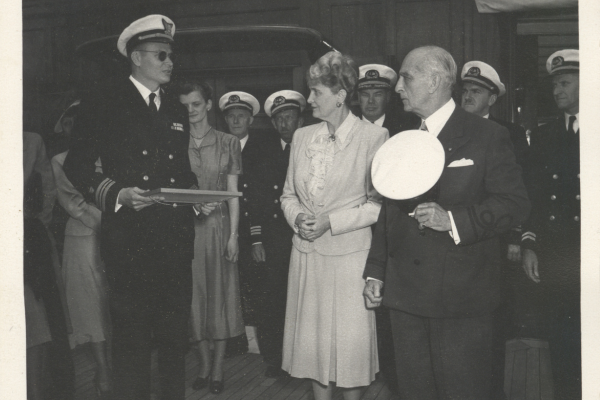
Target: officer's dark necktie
x,y
151,103
571,130
423,127
286,155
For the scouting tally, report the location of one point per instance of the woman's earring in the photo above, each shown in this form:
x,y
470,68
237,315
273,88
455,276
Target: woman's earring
x,y
338,105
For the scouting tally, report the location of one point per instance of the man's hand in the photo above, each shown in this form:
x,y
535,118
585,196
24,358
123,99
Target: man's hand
x,y
432,215
372,293
206,208
232,249
130,197
514,253
313,228
530,265
258,252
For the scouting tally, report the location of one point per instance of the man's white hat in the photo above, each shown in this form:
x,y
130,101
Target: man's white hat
x,y
563,62
376,76
58,126
408,165
484,75
239,100
151,28
284,100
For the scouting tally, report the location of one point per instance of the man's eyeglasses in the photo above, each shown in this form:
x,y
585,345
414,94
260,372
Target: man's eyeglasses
x,y
162,55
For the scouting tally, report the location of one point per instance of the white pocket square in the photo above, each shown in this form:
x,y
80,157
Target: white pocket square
x,y
460,163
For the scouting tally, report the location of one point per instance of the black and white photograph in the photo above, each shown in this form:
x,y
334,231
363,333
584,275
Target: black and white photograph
x,y
300,200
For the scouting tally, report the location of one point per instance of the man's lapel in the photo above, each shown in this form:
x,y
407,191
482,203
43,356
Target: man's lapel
x,y
453,135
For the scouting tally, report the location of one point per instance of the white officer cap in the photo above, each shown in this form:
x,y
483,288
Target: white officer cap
x,y
151,28
284,100
563,62
239,100
484,75
58,126
407,165
376,76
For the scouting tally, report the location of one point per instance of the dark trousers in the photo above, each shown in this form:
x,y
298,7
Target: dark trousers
x,y
150,303
442,358
39,274
273,293
385,348
552,313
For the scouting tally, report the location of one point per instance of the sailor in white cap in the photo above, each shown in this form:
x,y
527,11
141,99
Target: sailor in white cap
x,y
481,87
239,109
142,136
375,85
551,240
285,108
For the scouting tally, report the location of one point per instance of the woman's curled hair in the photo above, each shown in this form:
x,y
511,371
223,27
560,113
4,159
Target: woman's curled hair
x,y
188,87
336,71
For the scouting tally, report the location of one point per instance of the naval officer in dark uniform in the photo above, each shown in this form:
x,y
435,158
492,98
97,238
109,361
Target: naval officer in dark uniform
x,y
274,243
375,84
552,238
141,134
481,88
239,109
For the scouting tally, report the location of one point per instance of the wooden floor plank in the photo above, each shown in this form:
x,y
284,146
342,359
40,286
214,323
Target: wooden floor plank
x,y
244,380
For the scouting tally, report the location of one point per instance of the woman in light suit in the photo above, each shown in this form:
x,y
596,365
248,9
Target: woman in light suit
x,y
330,202
83,272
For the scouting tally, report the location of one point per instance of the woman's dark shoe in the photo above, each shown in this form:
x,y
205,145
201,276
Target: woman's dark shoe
x,y
216,387
200,383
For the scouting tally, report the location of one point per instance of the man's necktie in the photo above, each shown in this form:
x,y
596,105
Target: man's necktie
x,y
151,103
572,119
423,127
286,155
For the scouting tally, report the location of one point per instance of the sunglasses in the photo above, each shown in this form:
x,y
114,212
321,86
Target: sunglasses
x,y
162,55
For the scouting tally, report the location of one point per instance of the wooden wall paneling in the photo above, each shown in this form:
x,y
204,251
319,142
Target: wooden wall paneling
x,y
389,19
358,29
256,17
420,23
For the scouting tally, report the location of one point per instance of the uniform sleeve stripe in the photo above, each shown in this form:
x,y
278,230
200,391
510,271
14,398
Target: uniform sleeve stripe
x,y
102,191
528,236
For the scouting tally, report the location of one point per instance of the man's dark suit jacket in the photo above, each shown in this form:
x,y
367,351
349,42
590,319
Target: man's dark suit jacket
x,y
276,234
518,137
424,272
137,148
553,181
254,163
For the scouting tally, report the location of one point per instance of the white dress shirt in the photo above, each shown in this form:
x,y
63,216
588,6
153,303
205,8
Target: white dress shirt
x,y
379,121
435,123
575,123
243,142
145,92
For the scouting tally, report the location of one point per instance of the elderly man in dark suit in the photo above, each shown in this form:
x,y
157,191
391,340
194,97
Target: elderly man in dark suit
x,y
141,135
552,236
440,265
